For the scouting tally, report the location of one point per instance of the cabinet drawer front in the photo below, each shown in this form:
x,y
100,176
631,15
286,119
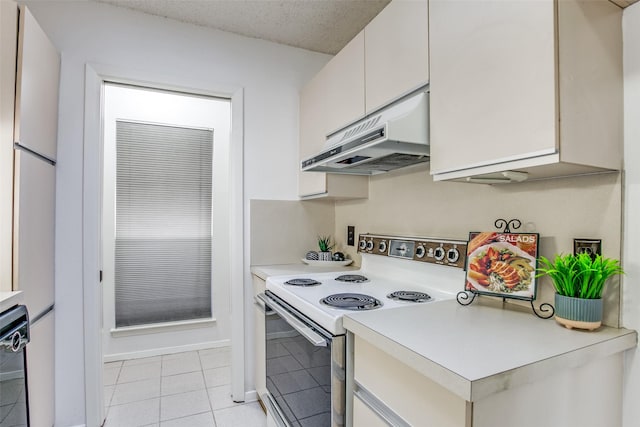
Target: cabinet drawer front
x,y
364,416
406,392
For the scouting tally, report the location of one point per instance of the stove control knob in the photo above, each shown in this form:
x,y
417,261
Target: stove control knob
x,y
362,245
420,251
382,246
453,255
370,245
438,253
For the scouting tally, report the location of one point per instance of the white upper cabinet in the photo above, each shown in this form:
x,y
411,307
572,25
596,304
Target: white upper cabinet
x,y
396,52
38,75
385,61
333,96
342,80
531,86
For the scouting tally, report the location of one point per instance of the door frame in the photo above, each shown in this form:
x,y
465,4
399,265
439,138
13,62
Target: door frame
x,y
95,76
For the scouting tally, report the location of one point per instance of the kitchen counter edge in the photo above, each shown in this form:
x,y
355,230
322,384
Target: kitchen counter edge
x,y
381,333
9,298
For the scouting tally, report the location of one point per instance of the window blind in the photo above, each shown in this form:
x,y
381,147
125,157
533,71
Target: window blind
x,y
163,223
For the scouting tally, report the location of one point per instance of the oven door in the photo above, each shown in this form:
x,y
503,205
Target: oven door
x,y
14,336
304,368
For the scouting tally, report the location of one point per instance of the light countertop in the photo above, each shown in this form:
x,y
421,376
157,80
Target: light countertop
x,y
9,299
478,350
264,271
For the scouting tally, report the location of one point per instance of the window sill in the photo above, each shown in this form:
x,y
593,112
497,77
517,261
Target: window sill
x,y
162,327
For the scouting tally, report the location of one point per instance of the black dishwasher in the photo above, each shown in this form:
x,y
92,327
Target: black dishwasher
x,y
14,336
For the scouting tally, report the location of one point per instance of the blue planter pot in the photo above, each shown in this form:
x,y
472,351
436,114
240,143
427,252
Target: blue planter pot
x,y
578,312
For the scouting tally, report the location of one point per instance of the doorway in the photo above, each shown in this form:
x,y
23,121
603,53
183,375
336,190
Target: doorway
x,y
97,77
164,222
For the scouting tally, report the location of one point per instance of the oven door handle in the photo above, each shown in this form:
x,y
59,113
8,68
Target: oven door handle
x,y
262,306
313,337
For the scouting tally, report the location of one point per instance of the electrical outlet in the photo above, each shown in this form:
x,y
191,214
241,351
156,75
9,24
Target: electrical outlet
x,y
591,246
351,235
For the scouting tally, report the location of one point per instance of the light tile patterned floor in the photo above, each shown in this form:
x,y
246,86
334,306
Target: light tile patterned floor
x,y
189,389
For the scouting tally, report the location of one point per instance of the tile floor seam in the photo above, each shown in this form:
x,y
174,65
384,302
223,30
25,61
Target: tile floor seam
x,y
135,401
206,389
216,359
186,416
160,403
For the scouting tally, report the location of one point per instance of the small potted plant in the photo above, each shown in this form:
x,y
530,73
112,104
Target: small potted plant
x,y
579,281
325,245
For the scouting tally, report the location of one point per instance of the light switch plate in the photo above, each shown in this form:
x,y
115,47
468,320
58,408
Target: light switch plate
x,y
591,246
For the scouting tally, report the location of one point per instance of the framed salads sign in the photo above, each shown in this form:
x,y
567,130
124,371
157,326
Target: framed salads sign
x,y
502,264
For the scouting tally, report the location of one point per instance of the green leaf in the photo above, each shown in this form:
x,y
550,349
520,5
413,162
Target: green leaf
x,y
579,276
324,243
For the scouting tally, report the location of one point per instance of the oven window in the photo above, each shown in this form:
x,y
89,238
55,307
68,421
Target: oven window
x,y
13,395
298,374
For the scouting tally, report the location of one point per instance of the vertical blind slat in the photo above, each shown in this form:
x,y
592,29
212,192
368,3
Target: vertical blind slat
x,y
163,223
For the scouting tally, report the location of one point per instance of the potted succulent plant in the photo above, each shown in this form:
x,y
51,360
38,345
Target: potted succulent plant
x,y
325,246
579,281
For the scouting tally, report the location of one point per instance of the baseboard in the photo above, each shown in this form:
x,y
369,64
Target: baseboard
x,y
250,396
165,350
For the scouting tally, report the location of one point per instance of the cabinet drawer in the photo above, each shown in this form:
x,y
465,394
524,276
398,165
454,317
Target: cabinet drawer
x,y
364,416
406,392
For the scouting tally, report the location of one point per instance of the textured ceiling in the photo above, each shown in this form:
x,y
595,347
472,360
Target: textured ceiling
x,y
319,25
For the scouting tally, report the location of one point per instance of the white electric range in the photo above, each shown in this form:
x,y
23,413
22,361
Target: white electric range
x,y
305,338
436,281
389,265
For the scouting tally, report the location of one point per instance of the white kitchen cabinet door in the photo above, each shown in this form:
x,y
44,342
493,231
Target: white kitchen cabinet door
x,y
332,99
37,82
40,372
8,42
312,134
34,230
529,86
344,86
492,82
396,52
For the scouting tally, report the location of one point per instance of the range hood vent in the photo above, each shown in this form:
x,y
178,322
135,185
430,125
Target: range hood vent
x,y
392,138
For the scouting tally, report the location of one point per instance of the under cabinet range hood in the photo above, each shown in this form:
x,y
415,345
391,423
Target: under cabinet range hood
x,y
392,138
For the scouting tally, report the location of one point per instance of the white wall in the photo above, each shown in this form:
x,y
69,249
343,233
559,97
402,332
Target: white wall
x,y
408,202
631,247
283,231
271,76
